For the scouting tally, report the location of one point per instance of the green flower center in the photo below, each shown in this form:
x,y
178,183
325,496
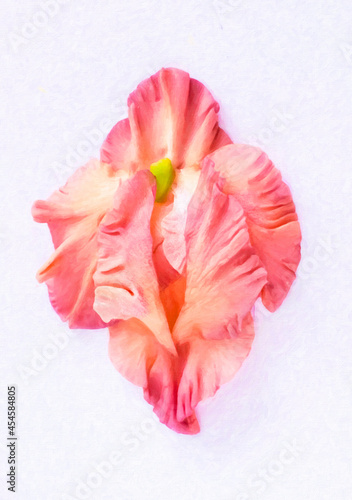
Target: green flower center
x,y
164,174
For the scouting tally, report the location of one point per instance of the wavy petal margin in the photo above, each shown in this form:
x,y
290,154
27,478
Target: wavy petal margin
x,y
170,116
73,214
125,279
271,217
214,330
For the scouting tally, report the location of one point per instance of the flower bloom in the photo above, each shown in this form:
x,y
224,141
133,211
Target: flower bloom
x,y
168,240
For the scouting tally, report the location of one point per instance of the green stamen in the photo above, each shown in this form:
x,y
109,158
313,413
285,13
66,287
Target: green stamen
x,y
165,175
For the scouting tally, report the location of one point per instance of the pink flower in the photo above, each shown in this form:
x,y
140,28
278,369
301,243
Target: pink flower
x,y
171,255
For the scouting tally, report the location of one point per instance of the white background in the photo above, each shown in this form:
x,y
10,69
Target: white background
x,y
282,428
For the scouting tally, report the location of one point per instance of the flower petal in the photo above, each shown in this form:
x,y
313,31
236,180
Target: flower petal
x,y
165,272
138,356
171,116
224,274
73,214
210,364
270,212
117,147
214,330
173,224
125,278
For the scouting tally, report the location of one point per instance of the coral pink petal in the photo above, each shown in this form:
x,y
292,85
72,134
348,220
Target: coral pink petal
x,y
210,364
117,147
270,212
171,116
138,356
125,279
224,274
224,279
73,214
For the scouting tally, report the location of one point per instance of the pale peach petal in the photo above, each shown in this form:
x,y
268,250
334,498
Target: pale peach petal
x,y
165,271
173,224
125,278
270,213
73,214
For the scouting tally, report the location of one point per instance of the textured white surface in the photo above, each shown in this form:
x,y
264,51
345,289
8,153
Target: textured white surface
x,y
282,72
